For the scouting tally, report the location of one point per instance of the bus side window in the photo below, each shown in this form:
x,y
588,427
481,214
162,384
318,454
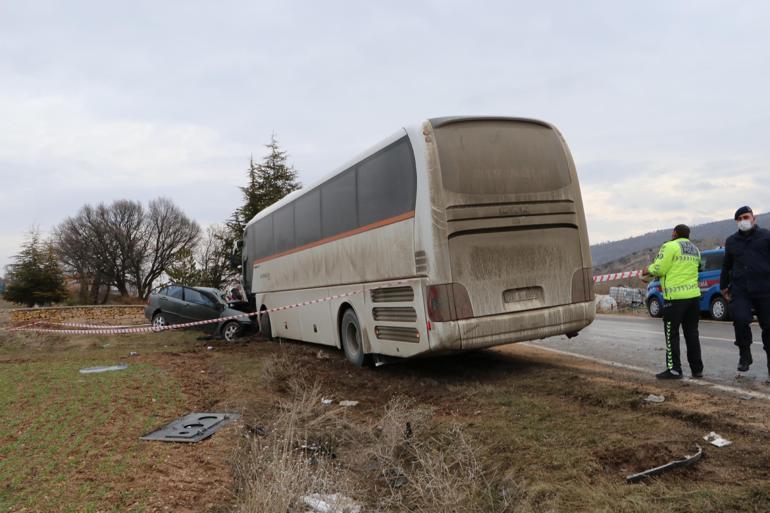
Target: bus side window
x,y
307,214
338,204
386,184
283,228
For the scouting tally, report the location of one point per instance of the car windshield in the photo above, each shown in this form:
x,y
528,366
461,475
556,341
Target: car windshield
x,y
212,292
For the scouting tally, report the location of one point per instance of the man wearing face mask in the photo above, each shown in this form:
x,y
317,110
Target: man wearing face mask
x,y
745,283
677,266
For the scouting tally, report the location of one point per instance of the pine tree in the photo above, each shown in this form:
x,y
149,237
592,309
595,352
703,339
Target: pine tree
x,y
36,277
268,182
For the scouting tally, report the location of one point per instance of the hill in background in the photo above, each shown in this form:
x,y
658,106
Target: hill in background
x,y
706,236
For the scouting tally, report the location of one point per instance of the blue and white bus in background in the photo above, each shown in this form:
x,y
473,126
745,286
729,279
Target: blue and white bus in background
x,y
711,300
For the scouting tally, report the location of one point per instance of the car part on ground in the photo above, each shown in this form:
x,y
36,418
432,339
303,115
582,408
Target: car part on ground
x,y
717,440
193,427
108,368
684,462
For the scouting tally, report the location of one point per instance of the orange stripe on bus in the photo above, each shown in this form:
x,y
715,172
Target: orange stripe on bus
x,y
349,233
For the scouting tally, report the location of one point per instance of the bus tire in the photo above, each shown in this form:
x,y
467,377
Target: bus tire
x,y
264,325
350,338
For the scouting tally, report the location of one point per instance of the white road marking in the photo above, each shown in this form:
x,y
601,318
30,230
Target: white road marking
x,y
702,382
701,337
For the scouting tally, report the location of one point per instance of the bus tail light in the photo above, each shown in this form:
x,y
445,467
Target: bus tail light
x,y
448,302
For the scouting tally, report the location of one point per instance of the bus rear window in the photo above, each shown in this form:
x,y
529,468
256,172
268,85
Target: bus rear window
x,y
501,157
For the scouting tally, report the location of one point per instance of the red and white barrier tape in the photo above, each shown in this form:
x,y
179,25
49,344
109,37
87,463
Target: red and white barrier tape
x,y
103,330
97,329
93,326
617,276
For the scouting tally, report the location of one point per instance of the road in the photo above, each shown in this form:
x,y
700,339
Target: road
x,y
638,342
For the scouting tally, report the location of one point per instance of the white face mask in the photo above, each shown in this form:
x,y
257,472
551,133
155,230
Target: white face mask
x,y
744,225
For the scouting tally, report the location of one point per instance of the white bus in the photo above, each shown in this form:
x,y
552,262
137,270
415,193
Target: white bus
x,y
456,234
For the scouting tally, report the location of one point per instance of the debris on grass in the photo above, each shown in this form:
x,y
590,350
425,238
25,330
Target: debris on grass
x,y
348,403
133,353
716,440
686,461
191,428
652,398
106,368
326,401
256,430
331,503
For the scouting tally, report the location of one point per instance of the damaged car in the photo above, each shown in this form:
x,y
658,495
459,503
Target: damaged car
x,y
180,304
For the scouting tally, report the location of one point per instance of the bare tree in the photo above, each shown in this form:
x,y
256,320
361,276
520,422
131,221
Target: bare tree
x,y
169,233
123,245
214,257
83,246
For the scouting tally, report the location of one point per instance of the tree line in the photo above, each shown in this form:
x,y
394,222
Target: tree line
x,y
127,248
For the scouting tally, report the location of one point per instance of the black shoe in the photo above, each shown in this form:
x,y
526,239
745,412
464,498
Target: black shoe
x,y
744,360
669,374
697,374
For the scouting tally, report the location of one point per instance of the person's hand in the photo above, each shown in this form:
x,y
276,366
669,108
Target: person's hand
x,y
646,270
725,294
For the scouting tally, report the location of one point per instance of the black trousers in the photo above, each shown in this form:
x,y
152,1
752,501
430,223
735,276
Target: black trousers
x,y
684,313
740,310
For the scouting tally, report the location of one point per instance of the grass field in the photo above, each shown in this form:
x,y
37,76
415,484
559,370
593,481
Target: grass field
x,y
509,430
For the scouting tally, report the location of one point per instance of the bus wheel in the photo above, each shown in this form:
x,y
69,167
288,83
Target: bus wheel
x,y
264,325
350,335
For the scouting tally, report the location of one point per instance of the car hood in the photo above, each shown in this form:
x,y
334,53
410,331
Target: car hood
x,y
229,312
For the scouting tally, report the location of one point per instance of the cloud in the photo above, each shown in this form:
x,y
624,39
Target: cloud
x,y
623,200
662,104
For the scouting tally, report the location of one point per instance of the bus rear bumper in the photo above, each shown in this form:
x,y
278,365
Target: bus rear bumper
x,y
495,330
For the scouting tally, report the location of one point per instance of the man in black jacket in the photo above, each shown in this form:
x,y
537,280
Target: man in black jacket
x,y
745,283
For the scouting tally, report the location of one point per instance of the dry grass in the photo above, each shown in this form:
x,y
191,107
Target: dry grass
x,y
293,458
403,461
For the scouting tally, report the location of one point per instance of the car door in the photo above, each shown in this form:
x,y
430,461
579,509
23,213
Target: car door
x,y
199,306
172,304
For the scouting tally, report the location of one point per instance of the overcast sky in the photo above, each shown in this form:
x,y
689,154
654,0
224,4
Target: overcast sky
x,y
665,105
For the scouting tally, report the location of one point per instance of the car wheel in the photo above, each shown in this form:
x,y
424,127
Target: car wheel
x,y
264,325
231,330
350,338
654,307
719,309
159,320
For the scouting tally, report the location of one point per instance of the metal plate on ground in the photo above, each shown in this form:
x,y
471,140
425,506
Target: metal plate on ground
x,y
192,428
110,368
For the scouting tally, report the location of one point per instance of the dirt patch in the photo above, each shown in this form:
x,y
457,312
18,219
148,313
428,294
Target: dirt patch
x,y
637,457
